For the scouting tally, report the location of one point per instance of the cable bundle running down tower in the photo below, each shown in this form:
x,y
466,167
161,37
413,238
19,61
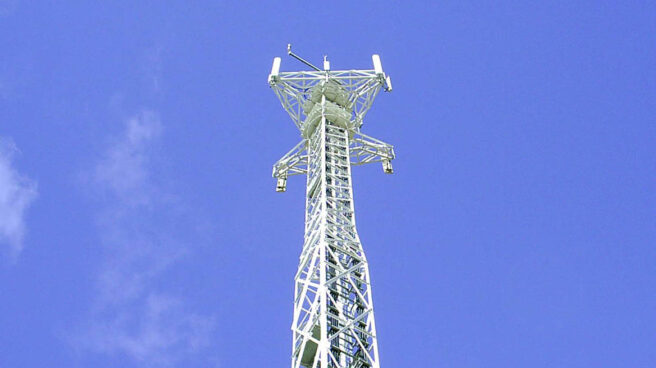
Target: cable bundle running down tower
x,y
333,323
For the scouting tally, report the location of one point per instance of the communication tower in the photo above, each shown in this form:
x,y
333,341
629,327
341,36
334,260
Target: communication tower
x,y
333,323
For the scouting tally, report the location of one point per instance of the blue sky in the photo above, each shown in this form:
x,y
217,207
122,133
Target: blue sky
x,y
139,226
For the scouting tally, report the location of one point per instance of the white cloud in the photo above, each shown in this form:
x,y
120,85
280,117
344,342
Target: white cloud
x,y
131,316
156,331
17,193
151,66
123,173
4,90
7,7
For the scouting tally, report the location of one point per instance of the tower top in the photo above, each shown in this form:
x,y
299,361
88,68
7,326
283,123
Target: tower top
x,y
349,93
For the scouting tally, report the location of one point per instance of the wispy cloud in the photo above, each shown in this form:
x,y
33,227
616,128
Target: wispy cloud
x,y
123,174
132,315
17,193
7,7
151,65
4,90
155,331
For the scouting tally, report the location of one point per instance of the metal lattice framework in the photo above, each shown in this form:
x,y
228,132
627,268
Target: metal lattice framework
x,y
333,322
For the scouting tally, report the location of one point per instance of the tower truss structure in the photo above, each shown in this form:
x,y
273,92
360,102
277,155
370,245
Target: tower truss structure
x,y
333,322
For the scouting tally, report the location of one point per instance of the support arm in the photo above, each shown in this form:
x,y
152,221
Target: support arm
x,y
365,149
292,163
289,97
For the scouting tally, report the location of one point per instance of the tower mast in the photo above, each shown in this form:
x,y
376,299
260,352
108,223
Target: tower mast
x,y
333,322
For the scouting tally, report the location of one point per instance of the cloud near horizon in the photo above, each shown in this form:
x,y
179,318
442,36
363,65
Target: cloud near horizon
x,y
17,192
132,314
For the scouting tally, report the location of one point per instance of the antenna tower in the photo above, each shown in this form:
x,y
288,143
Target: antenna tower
x,y
333,323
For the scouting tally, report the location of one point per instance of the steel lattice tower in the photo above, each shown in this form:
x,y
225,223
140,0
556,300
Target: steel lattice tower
x,y
333,323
